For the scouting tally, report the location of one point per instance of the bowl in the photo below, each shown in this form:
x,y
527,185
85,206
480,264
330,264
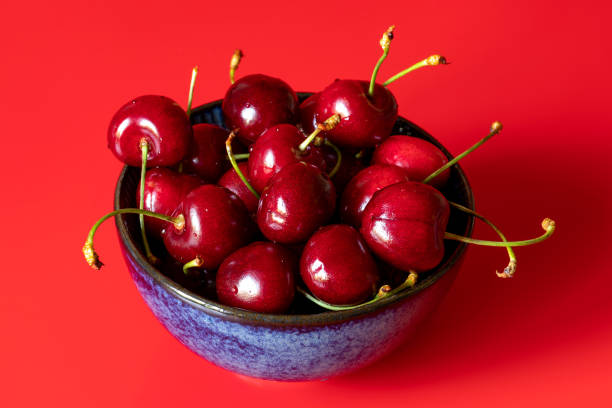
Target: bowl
x,y
290,347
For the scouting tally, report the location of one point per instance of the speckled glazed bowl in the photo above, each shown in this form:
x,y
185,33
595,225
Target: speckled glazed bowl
x,y
294,347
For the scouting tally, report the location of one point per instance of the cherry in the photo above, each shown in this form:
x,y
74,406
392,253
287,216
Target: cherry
x,y
159,121
216,223
256,102
258,277
404,224
297,201
232,182
164,190
418,157
337,266
362,187
207,156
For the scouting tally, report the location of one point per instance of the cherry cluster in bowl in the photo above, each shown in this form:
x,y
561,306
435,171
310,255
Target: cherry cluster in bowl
x,y
317,197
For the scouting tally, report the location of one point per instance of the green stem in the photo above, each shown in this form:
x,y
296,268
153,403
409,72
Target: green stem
x,y
194,74
241,156
547,224
228,148
90,254
385,43
309,139
234,62
429,61
329,124
511,268
197,262
496,127
333,172
144,147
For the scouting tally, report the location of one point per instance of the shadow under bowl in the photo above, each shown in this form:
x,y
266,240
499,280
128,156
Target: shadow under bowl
x,y
290,347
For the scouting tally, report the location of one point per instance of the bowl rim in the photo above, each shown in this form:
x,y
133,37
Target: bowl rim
x,y
245,316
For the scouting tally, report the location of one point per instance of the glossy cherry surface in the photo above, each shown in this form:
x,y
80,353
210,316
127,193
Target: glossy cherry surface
x,y
337,266
365,121
404,224
164,190
207,156
256,102
159,120
276,148
216,224
362,187
298,200
258,277
418,157
233,183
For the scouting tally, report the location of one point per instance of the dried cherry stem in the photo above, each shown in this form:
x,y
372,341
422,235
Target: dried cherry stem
x,y
333,171
234,62
326,126
496,127
232,159
385,44
241,156
197,262
548,226
511,268
427,62
88,250
144,147
194,74
383,292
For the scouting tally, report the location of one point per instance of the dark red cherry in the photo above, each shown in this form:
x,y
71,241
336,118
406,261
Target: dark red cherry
x,y
404,225
417,156
256,102
362,187
207,156
164,190
349,166
157,119
258,277
233,183
365,121
297,200
337,266
216,224
274,149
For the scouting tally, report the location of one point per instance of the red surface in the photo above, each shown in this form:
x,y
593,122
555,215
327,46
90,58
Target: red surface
x,y
75,337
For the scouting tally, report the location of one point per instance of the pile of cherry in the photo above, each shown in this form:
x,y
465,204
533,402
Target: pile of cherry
x,y
317,197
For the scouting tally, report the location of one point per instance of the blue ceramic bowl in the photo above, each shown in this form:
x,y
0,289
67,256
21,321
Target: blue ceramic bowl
x,y
292,347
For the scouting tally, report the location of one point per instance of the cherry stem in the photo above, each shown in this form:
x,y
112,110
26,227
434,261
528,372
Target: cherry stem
x,y
547,224
194,74
230,155
144,147
197,262
427,62
383,292
88,250
241,156
511,268
328,125
234,62
333,171
385,44
496,127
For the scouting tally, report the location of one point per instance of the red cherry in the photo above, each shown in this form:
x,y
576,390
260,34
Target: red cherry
x,y
216,224
164,190
337,267
404,224
258,277
298,200
157,119
276,148
418,157
233,183
207,157
256,102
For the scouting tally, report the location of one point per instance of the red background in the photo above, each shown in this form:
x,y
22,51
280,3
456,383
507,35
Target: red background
x,y
74,337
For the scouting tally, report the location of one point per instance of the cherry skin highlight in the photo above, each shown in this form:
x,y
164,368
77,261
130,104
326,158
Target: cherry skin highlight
x,y
216,224
258,277
207,157
337,266
157,119
233,183
404,225
417,156
256,102
297,200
